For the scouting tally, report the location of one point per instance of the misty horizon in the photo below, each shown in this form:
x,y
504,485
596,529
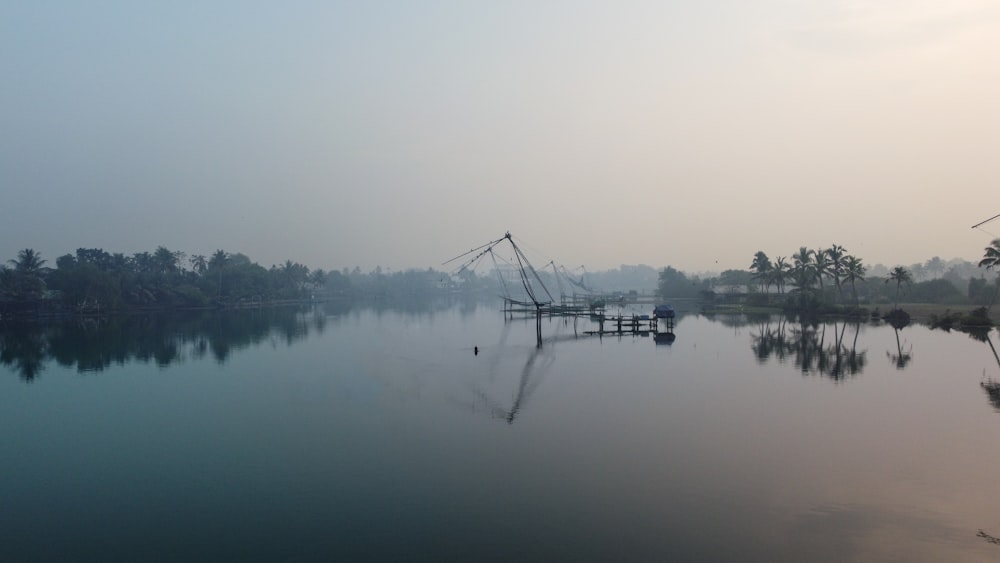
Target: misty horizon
x,y
186,260
397,135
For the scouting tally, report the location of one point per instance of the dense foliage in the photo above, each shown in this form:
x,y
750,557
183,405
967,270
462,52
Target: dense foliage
x,y
94,280
832,279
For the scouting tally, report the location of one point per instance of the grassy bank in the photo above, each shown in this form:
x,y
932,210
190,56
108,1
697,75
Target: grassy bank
x,y
924,311
921,312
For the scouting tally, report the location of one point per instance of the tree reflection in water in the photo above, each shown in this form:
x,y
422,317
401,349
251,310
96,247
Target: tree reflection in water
x,y
989,385
94,344
900,358
809,345
25,351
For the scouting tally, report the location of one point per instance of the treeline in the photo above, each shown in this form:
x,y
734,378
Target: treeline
x,y
94,280
831,278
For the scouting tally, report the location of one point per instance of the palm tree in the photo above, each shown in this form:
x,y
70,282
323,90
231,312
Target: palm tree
x,y
165,260
762,266
803,270
25,279
199,263
218,261
317,277
854,270
821,263
779,273
295,274
900,275
836,254
991,260
28,262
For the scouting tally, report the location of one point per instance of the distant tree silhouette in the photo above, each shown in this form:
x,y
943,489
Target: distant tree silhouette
x,y
199,263
991,260
821,263
854,271
216,264
28,262
935,266
779,273
24,281
836,254
761,266
901,276
803,269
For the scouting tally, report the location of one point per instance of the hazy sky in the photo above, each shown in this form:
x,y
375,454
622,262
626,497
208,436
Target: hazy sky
x,y
403,133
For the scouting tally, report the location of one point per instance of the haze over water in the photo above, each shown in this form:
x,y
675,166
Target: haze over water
x,y
368,434
392,135
342,134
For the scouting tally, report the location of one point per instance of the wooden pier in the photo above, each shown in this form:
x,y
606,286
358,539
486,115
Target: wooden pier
x,y
621,324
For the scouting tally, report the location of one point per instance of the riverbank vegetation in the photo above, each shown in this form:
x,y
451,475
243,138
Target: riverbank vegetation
x,y
93,280
831,281
812,281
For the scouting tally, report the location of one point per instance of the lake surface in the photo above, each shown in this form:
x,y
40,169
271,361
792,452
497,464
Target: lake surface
x,y
378,434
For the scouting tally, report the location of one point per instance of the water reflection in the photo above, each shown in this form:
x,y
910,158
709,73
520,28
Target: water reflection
x,y
809,346
661,447
412,305
989,385
900,359
989,538
538,362
91,345
982,334
25,351
666,338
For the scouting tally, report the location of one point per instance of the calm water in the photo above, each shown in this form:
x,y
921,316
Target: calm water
x,y
379,435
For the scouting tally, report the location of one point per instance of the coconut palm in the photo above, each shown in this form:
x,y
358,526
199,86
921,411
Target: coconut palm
x,y
836,254
164,260
218,262
821,263
294,274
199,263
779,273
854,270
28,262
991,260
25,279
900,275
318,277
803,269
762,267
